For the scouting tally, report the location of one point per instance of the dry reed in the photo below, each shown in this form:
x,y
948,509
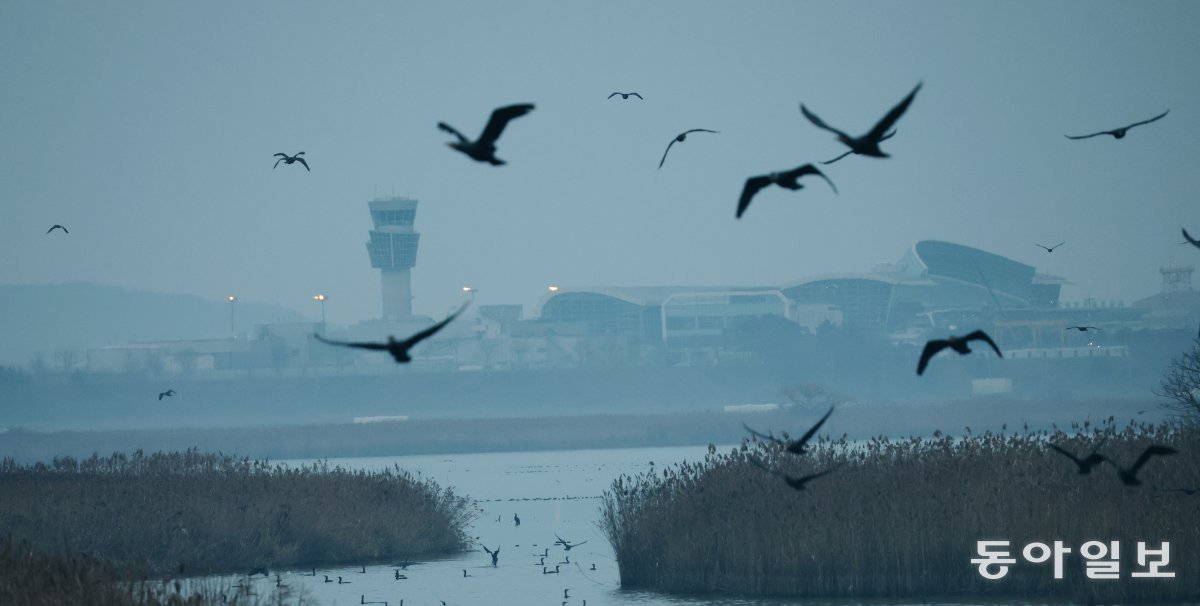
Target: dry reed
x,y
217,514
900,518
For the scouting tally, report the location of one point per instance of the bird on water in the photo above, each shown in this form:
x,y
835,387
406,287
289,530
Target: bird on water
x,y
398,349
483,149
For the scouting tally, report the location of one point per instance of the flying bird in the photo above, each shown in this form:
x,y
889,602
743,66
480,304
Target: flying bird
x,y
1190,240
166,394
958,344
868,144
484,148
1081,328
1050,249
1085,464
793,446
1128,475
794,482
844,154
626,95
1119,133
787,180
286,159
680,139
57,226
566,544
399,349
495,554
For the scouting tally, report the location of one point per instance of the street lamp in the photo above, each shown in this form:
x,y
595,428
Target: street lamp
x,y
553,288
231,299
321,299
470,291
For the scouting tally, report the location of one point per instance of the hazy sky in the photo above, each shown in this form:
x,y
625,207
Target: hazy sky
x,y
148,129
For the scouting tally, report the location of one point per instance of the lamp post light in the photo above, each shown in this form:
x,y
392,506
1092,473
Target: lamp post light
x,y
470,291
231,300
552,288
321,299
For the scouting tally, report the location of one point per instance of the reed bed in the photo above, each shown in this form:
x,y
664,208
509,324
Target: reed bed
x,y
901,518
219,514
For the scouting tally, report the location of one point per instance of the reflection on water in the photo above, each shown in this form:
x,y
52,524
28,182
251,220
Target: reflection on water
x,y
553,493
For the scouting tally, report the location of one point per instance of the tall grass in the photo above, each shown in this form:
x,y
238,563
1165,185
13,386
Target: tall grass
x,y
900,518
213,513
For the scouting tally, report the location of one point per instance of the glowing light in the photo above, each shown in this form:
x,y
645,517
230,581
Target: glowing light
x,y
231,298
319,298
553,288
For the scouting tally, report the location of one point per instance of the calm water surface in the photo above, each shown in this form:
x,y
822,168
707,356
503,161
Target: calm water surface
x,y
552,492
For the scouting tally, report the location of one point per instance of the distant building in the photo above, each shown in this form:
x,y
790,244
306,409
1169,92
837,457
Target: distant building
x,y
393,251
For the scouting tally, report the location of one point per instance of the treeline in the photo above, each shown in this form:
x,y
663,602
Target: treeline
x,y
214,513
901,518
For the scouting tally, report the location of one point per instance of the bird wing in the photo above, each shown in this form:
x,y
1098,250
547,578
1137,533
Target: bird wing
x,y
373,346
489,551
698,130
637,95
809,169
931,349
301,160
160,396
1067,454
979,335
500,119
429,332
453,131
282,155
882,127
613,95
1194,241
1103,132
809,434
1040,246
838,158
1158,117
814,476
819,123
1060,244
278,161
762,436
664,158
753,185
1153,450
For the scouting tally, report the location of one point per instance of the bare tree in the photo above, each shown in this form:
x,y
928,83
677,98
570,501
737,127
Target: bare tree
x,y
1181,384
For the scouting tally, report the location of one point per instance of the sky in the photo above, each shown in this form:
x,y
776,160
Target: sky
x,y
148,128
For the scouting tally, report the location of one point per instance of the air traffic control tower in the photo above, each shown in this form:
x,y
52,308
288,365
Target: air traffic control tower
x,y
393,251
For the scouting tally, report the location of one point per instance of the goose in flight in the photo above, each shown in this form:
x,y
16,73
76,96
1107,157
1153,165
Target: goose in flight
x,y
1128,475
483,149
398,349
1085,464
786,179
1119,133
680,138
1050,249
794,482
166,394
793,446
57,226
958,344
286,159
626,95
868,144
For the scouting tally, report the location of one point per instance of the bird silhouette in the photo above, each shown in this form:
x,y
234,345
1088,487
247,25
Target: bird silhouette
x,y
555,571
1191,240
495,554
516,520
166,394
868,144
566,544
1085,464
1128,475
465,575
327,579
793,446
958,344
847,153
626,95
797,483
286,159
483,149
1050,249
341,582
398,349
1119,133
1081,328
787,179
57,226
680,138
